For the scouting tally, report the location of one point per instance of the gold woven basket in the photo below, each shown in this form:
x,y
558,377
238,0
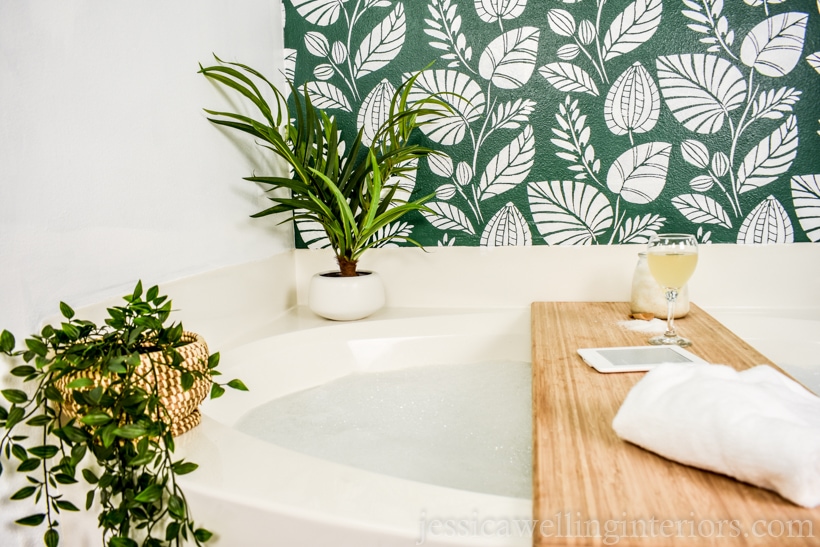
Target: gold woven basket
x,y
182,406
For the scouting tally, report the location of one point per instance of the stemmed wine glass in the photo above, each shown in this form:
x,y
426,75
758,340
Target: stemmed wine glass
x,y
672,259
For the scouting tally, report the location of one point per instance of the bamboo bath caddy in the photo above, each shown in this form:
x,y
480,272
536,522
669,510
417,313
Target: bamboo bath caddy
x,y
592,488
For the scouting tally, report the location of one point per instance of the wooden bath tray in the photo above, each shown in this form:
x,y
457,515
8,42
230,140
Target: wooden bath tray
x,y
592,488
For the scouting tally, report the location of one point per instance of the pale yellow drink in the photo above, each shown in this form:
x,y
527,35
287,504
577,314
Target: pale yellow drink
x,y
672,269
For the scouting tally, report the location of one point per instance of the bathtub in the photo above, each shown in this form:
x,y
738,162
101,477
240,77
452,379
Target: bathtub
x,y
257,493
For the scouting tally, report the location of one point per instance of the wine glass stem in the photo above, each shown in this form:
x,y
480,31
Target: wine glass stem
x,y
671,296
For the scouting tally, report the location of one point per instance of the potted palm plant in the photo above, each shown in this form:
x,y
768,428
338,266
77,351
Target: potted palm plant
x,y
353,191
108,401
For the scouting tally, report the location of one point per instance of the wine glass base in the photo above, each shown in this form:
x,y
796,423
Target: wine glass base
x,y
674,340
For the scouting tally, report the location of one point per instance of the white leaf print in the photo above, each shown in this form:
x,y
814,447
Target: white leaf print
x,y
323,72
561,22
316,43
446,192
633,103
458,90
767,223
586,32
339,52
569,212
758,3
720,163
375,110
491,11
639,174
510,59
701,209
290,66
568,77
312,233
773,47
640,229
773,105
319,12
700,90
464,173
382,45
511,115
510,166
507,228
770,158
387,236
631,28
806,196
441,164
447,217
701,183
568,52
326,96
814,60
695,153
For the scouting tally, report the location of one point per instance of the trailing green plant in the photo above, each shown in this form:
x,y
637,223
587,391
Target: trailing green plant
x,y
118,434
351,192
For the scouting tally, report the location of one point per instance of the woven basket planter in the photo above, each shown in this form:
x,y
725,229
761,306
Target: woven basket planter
x,y
182,406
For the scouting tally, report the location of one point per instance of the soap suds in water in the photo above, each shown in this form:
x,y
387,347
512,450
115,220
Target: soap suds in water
x,y
653,326
466,426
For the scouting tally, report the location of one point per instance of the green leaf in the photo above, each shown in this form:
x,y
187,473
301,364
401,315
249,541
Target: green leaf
x,y
90,477
39,421
171,531
53,394
96,419
23,370
80,383
64,478
72,331
89,499
152,293
137,292
183,468
23,493
66,310
236,383
52,537
44,452
176,507
150,494
37,346
16,415
217,391
202,535
66,505
19,452
33,520
108,435
121,542
6,342
29,465
15,396
213,360
73,434
186,381
130,431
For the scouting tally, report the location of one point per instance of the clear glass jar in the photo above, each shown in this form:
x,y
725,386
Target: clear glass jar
x,y
649,297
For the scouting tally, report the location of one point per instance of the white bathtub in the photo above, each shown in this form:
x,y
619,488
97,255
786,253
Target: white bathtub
x,y
255,493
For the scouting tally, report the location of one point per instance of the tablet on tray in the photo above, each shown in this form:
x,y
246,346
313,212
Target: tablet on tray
x,y
635,358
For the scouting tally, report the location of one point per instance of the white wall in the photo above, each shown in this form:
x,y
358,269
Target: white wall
x,y
109,171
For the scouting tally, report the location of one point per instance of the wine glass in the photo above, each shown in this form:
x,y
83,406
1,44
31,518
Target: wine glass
x,y
672,259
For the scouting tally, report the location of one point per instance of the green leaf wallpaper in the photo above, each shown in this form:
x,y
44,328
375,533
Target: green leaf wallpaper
x,y
584,122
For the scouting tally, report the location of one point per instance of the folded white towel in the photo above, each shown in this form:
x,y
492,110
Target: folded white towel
x,y
758,425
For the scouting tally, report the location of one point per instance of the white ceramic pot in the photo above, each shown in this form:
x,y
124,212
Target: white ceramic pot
x,y
345,298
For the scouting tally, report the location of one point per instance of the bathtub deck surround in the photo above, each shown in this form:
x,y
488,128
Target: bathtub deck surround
x,y
119,393
581,463
344,197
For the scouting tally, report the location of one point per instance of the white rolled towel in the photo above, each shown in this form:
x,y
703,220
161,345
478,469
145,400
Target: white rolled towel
x,y
758,426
